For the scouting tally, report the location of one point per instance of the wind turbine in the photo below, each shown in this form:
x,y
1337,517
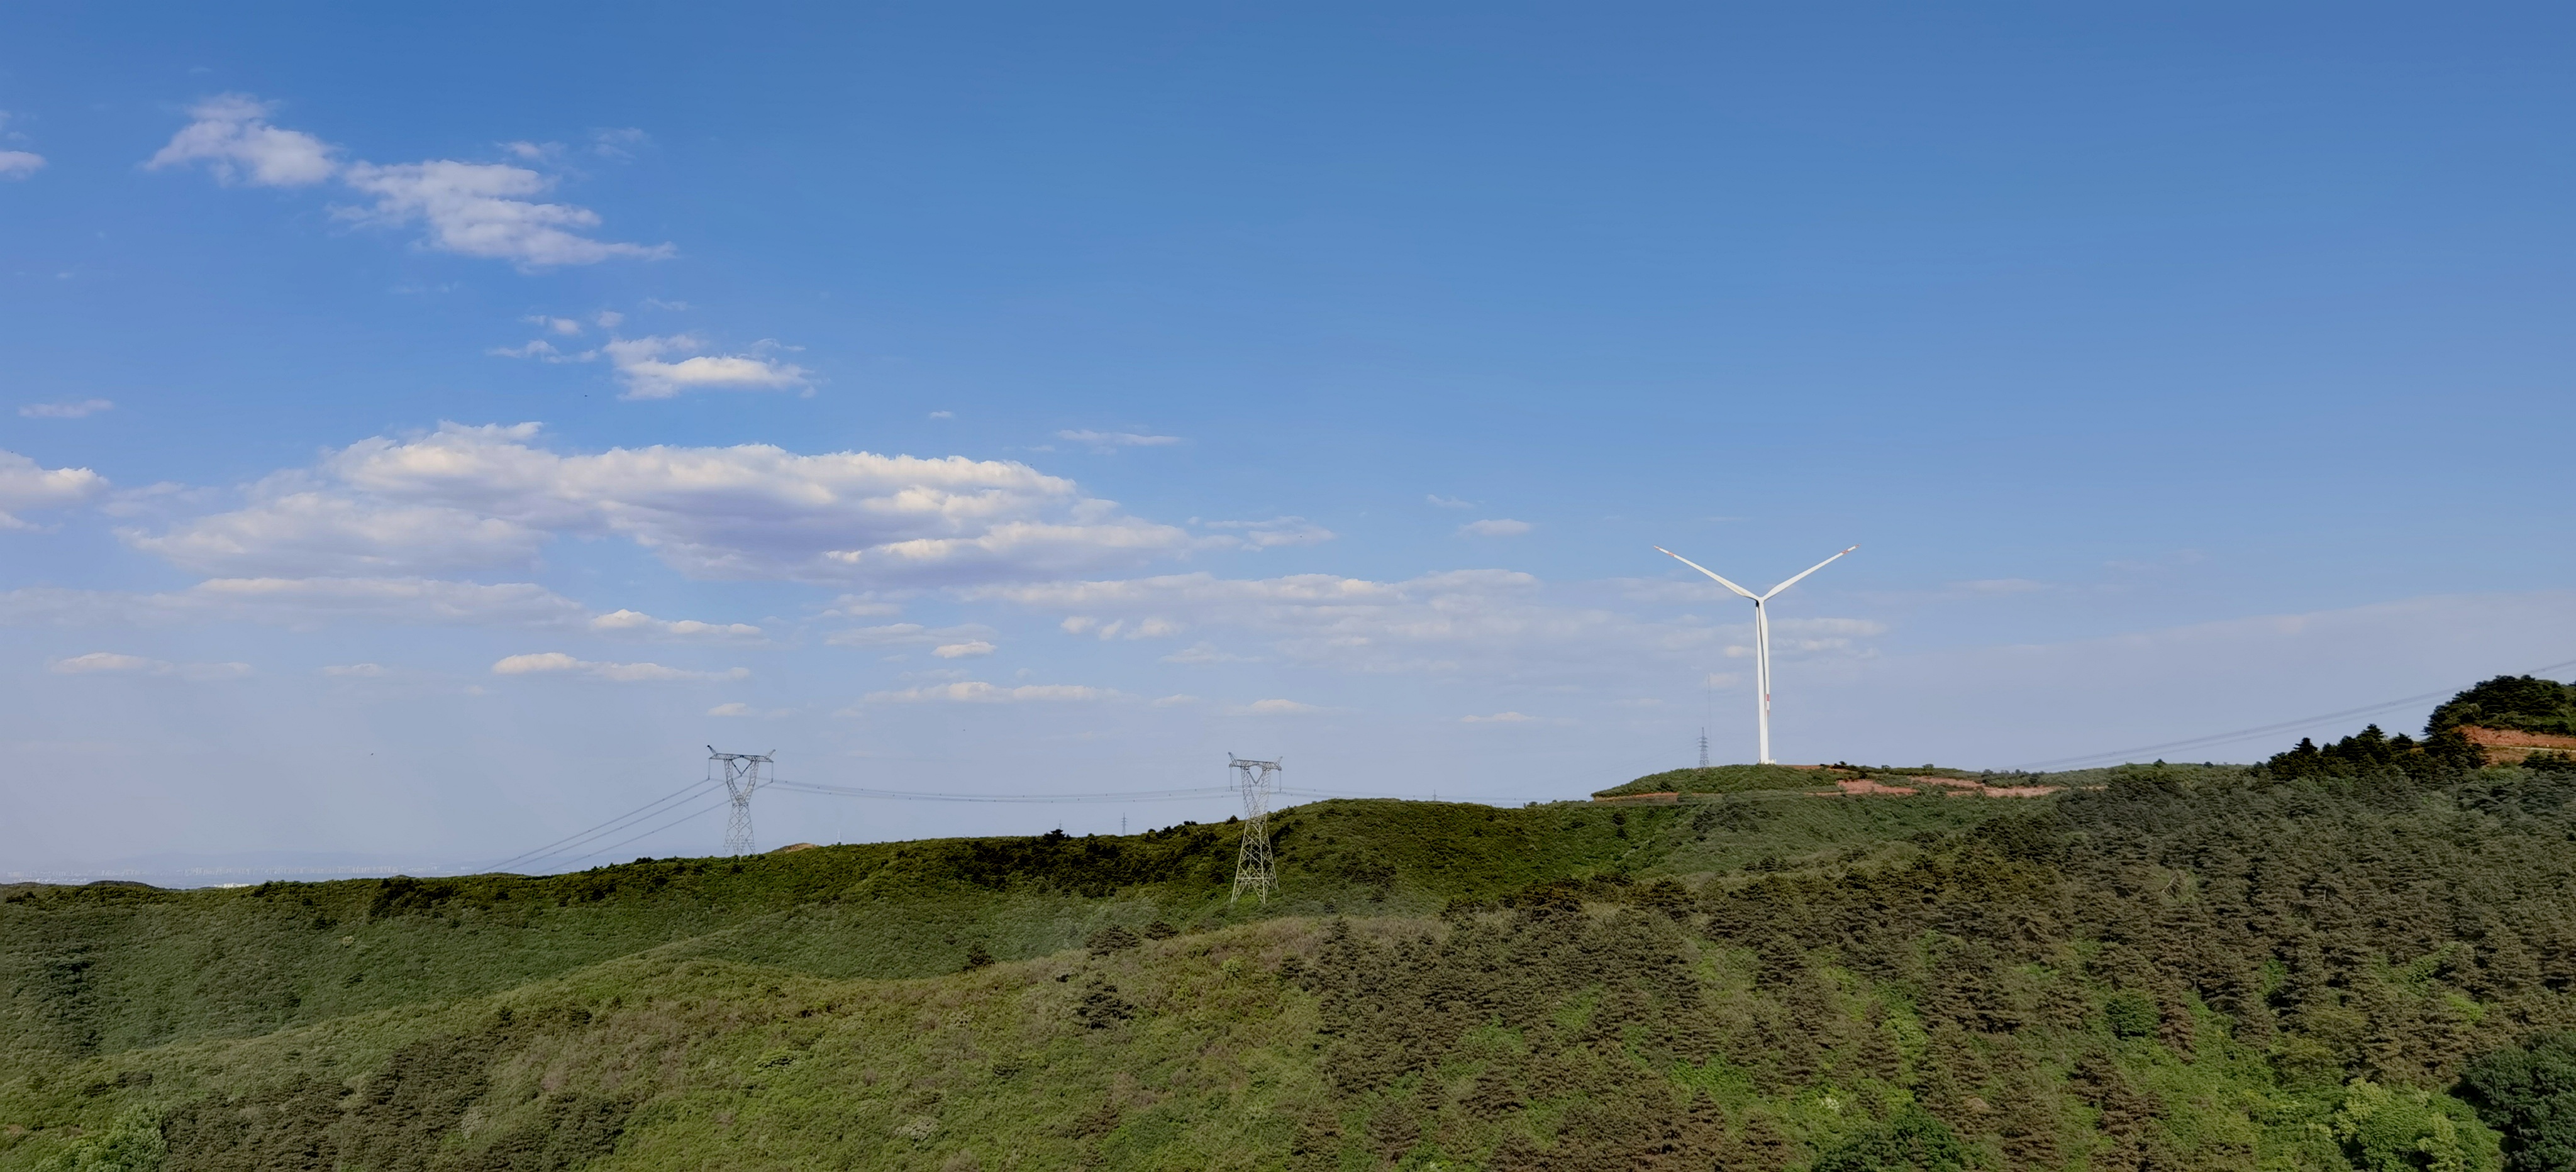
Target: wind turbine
x,y
1761,633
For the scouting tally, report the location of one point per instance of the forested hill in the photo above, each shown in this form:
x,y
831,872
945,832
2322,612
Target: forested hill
x,y
2157,967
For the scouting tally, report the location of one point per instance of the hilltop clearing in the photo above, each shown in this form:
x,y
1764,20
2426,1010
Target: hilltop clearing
x,y
1853,780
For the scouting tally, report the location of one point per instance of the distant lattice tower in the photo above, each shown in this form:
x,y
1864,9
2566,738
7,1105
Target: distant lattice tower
x,y
1703,748
1253,869
741,776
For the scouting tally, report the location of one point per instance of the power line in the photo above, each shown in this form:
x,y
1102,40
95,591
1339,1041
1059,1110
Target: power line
x,y
700,812
2265,730
609,827
1149,795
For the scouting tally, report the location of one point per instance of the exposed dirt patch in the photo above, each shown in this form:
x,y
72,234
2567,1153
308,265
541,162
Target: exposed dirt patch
x,y
2507,746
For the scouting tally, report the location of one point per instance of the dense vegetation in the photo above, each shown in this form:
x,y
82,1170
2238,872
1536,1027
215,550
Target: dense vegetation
x,y
2164,967
2523,703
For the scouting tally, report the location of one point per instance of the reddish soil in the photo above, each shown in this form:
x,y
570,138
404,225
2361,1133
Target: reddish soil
x,y
2505,746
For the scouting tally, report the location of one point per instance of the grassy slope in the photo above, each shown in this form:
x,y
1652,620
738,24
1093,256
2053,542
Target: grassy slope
x,y
1419,996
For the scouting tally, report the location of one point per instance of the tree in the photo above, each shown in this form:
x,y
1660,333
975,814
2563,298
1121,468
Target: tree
x,y
2529,1094
1912,1140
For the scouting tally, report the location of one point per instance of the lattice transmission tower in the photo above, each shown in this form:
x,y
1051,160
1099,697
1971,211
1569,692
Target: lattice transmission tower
x,y
1253,870
1703,748
741,776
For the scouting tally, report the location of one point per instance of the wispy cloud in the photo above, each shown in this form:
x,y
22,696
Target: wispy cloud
x,y
739,708
559,663
1494,527
1204,652
637,623
1999,586
1275,708
67,409
1111,441
1270,534
471,209
979,692
112,663
1448,502
909,635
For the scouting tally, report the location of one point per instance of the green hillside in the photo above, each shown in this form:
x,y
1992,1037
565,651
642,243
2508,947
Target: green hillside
x,y
2184,967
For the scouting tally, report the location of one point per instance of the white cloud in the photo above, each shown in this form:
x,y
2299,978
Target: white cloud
x,y
300,602
943,415
20,164
963,650
232,136
558,663
482,209
1497,718
609,319
68,409
1277,531
356,671
1110,441
645,365
559,325
1494,527
109,662
474,209
489,496
1173,701
1274,708
1447,502
635,622
293,529
979,692
25,484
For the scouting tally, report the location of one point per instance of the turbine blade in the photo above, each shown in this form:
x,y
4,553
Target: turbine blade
x,y
1712,573
1811,569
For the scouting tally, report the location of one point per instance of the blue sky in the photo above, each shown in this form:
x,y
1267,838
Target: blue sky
x,y
425,431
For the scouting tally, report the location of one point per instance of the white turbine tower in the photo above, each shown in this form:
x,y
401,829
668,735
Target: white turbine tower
x,y
1761,634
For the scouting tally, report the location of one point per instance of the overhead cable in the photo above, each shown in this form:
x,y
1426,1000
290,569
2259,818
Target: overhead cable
x,y
2250,733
